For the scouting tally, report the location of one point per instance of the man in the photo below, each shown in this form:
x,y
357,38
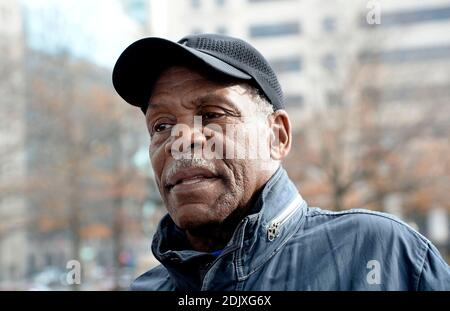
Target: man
x,y
236,221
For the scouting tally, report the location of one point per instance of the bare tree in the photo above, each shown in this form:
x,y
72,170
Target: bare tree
x,y
370,142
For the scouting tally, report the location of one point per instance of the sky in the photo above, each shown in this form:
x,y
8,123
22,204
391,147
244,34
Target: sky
x,y
94,30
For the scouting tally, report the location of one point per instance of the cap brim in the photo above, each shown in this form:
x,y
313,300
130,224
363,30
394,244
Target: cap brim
x,y
140,64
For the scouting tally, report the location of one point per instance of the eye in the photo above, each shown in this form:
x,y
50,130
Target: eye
x,y
159,127
212,115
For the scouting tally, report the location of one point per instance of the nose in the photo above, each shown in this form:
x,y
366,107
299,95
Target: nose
x,y
188,140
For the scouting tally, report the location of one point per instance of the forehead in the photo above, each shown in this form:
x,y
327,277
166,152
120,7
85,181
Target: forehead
x,y
179,71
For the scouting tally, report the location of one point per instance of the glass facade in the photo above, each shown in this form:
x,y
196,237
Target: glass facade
x,y
288,64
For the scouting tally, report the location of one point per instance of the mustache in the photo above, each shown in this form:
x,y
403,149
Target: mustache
x,y
181,164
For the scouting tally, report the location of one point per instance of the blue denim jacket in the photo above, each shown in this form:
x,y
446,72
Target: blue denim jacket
x,y
286,245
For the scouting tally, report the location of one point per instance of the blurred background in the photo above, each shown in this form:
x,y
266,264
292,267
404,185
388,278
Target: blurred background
x,y
367,85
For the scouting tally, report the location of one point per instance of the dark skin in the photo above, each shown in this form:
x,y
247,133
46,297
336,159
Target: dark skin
x,y
208,198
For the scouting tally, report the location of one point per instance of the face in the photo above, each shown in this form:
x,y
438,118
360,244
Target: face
x,y
196,191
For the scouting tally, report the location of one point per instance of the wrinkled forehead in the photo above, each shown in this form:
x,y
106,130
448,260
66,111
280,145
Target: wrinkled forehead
x,y
174,72
178,78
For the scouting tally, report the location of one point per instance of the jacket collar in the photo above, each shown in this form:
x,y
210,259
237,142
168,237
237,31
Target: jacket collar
x,y
277,214
281,214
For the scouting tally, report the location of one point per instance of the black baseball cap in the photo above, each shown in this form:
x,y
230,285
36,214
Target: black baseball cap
x,y
140,64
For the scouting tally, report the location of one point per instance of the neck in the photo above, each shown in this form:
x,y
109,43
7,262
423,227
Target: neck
x,y
215,236
208,239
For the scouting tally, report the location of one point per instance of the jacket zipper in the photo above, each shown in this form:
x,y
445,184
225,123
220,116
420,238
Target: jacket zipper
x,y
274,226
272,229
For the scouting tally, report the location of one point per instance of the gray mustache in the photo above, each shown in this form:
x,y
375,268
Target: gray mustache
x,y
191,163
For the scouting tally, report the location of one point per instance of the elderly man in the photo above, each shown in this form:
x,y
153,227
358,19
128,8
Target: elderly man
x,y
235,220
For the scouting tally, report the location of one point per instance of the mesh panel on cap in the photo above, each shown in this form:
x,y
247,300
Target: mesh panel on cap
x,y
243,56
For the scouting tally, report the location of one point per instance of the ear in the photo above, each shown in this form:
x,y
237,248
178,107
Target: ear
x,y
280,135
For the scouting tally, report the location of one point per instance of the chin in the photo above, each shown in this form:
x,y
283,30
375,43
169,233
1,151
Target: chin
x,y
195,224
192,216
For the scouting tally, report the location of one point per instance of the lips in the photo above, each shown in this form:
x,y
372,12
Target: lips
x,y
190,176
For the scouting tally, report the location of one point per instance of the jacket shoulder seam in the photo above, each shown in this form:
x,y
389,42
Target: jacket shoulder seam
x,y
370,213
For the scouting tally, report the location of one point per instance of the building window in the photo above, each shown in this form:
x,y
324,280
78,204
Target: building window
x,y
406,55
195,4
329,62
293,101
329,24
406,93
288,64
280,29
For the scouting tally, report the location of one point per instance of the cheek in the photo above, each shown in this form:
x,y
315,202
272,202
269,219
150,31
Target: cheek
x,y
237,142
157,159
243,144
